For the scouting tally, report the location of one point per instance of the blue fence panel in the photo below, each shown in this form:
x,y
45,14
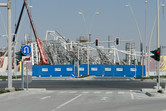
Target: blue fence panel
x,y
139,71
83,69
57,70
130,70
45,71
108,70
42,70
67,70
118,70
96,70
35,71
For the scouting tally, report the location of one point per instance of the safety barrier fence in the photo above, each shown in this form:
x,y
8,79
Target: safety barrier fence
x,y
96,70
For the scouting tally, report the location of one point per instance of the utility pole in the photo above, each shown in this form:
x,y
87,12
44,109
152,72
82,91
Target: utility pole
x,y
8,5
88,55
9,47
146,35
78,64
109,45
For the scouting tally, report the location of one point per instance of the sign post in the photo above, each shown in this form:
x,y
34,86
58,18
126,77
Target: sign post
x,y
26,50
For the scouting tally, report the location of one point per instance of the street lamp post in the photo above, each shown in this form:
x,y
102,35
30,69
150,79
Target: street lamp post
x,y
138,29
146,33
88,32
78,65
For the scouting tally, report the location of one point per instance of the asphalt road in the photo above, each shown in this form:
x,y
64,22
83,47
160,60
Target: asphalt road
x,y
86,84
82,95
95,84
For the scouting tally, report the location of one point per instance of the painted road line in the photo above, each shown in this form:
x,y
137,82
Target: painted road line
x,y
131,94
85,92
109,92
96,92
104,98
72,92
68,102
119,92
62,91
46,97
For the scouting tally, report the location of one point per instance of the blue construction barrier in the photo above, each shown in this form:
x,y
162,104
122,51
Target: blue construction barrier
x,y
119,70
109,70
52,70
96,70
83,69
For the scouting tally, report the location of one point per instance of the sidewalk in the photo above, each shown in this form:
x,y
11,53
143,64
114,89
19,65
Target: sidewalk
x,y
30,91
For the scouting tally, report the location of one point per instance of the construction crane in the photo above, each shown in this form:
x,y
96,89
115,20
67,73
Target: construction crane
x,y
44,59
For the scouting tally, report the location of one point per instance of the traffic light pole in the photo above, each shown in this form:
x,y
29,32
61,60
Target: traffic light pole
x,y
22,75
158,46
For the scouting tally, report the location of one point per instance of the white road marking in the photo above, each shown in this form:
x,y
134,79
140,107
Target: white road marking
x,y
96,92
104,98
45,97
164,110
120,92
85,92
73,92
131,94
108,92
62,91
68,101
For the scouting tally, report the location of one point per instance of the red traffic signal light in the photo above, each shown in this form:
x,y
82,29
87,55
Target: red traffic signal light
x,y
117,41
157,51
156,55
96,42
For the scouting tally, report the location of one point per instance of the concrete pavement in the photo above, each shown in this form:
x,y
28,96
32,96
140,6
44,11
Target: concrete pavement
x,y
80,100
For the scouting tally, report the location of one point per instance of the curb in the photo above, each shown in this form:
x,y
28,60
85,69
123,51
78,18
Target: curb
x,y
7,79
149,94
24,92
154,93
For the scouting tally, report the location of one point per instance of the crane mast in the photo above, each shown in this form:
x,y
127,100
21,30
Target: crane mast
x,y
44,59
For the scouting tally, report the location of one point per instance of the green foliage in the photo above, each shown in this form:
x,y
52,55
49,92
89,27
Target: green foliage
x,y
151,77
3,77
4,91
19,89
6,77
82,76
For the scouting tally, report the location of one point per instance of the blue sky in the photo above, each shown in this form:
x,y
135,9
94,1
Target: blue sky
x,y
114,19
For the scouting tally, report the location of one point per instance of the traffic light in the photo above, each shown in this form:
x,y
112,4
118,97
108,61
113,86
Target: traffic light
x,y
156,55
96,42
133,62
18,57
117,41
